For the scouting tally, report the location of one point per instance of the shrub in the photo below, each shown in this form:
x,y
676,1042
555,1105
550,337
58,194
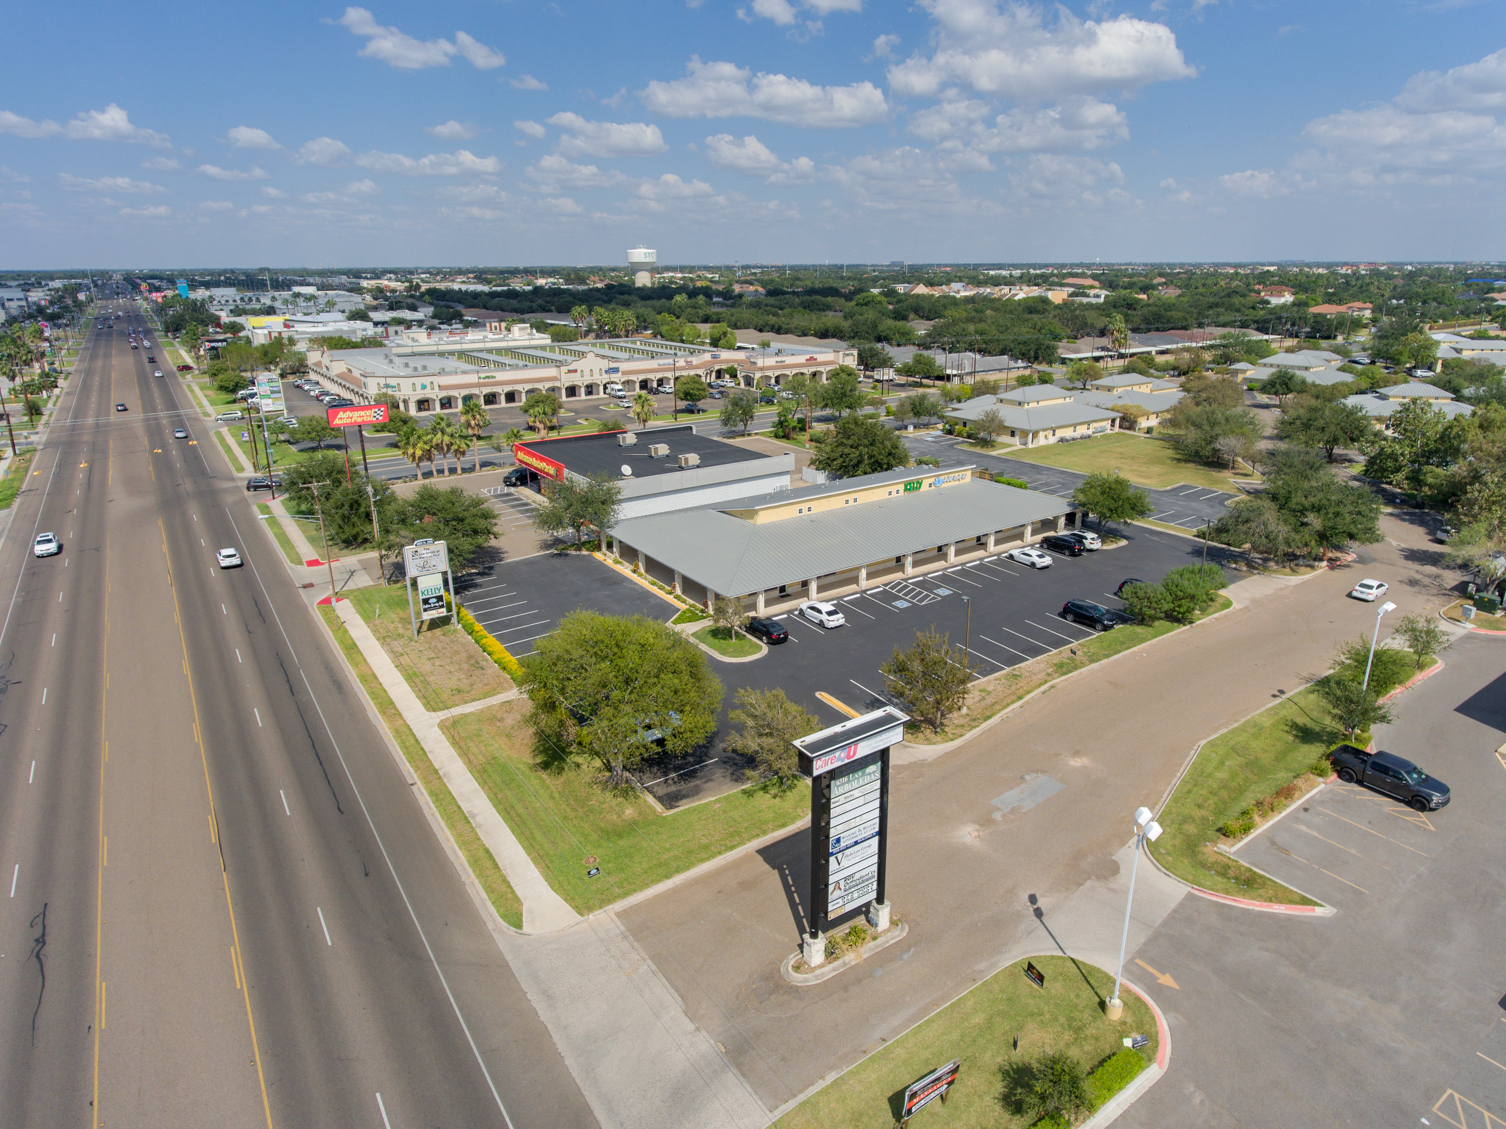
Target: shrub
x,y
1017,483
690,615
1238,827
928,460
1114,1074
1052,1087
491,648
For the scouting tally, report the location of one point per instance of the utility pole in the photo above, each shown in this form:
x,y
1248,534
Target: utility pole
x,y
324,536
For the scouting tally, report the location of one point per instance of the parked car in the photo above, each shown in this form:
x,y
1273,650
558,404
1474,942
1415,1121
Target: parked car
x,y
46,545
1032,557
1123,584
1445,534
262,482
771,631
1061,543
1391,774
1368,590
228,558
1090,541
185,368
520,476
1089,614
225,417
823,613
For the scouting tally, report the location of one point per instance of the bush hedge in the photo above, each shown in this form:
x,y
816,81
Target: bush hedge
x,y
1114,1074
491,648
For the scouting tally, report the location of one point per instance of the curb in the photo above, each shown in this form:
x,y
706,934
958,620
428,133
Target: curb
x,y
1490,631
1432,670
827,971
1143,1081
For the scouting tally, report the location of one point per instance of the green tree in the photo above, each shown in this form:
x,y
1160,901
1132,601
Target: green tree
x,y
1111,498
727,615
1352,706
692,389
922,366
574,504
542,410
1424,636
1198,429
923,406
1082,373
768,724
451,514
842,391
448,440
620,690
931,678
1326,426
1283,383
1420,441
642,408
860,446
1190,589
475,420
872,356
1117,332
1052,1088
313,429
989,426
738,410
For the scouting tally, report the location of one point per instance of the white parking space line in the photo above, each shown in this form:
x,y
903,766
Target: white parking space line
x,y
1195,521
985,658
471,605
988,564
1188,491
964,579
1210,494
525,627
1159,516
848,600
880,603
1068,638
1011,650
870,693
1031,639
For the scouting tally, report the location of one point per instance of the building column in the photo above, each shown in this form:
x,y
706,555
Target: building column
x,y
758,603
909,562
811,588
991,540
640,560
862,577
1060,519
678,591
951,551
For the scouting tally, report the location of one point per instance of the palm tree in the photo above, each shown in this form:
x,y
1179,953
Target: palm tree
x,y
1117,333
643,408
581,316
541,412
448,439
413,445
474,416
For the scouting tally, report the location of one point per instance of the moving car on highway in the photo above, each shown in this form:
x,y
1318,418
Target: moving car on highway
x,y
228,558
47,545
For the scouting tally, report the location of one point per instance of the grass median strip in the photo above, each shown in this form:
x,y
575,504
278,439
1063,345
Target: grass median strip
x,y
998,692
15,478
443,666
980,1030
483,865
280,534
236,466
569,821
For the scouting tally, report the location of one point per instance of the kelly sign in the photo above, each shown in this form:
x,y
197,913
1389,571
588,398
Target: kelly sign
x,y
355,415
431,595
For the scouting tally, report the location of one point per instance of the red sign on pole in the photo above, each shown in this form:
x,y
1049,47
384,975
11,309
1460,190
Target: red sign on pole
x,y
354,416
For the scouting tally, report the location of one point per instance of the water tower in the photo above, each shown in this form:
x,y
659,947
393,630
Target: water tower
x,y
642,261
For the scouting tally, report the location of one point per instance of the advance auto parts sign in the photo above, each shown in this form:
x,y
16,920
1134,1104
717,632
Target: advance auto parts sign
x,y
431,595
547,467
853,845
356,415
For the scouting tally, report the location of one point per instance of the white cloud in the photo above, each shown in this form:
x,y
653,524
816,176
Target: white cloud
x,y
1474,86
460,163
113,124
720,90
474,193
452,130
161,164
1011,52
110,184
527,82
18,126
248,137
753,158
533,129
784,13
273,193
216,205
325,152
1261,183
352,191
401,50
12,177
553,171
562,205
214,172
884,45
1078,123
671,187
904,179
607,139
1056,182
156,211
1388,141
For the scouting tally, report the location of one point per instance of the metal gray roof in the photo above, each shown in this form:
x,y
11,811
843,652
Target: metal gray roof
x,y
734,557
1415,389
1041,417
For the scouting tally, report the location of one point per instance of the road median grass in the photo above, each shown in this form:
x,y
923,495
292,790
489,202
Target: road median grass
x,y
280,535
483,864
569,821
991,696
443,666
979,1029
237,465
15,478
1145,461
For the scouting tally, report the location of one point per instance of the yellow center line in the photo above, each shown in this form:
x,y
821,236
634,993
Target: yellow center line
x,y
235,940
99,903
1362,827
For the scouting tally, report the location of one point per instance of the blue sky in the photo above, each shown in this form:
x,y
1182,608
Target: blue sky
x,y
517,132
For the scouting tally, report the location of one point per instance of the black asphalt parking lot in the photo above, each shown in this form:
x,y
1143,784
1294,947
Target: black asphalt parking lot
x,y
1391,1011
1187,506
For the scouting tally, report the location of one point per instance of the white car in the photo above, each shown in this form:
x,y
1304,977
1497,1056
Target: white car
x,y
47,545
1035,558
823,613
1368,590
1090,541
227,558
225,417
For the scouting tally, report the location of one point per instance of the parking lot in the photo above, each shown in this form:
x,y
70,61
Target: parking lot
x,y
1187,506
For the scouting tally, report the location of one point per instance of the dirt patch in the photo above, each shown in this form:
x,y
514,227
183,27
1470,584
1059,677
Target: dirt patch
x,y
443,666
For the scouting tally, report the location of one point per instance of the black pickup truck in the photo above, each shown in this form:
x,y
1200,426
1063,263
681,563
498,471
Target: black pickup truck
x,y
1393,775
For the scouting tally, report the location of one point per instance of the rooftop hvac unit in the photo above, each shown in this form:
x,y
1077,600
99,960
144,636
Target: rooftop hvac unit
x,y
627,439
690,460
658,450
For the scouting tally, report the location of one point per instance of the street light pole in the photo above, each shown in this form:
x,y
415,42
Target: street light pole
x,y
1388,606
1147,830
967,638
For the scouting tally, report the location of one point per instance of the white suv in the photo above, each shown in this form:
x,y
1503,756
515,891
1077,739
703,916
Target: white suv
x,y
47,545
823,613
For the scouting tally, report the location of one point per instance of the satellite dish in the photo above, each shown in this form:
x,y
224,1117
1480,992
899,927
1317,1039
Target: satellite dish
x,y
627,471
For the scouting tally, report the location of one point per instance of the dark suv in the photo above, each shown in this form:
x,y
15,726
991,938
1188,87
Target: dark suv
x,y
769,630
1393,775
520,476
1089,614
1066,546
262,482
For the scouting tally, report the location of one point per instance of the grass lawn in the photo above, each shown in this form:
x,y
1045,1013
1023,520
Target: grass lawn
x,y
443,666
237,464
1255,759
15,478
280,534
483,865
733,644
1000,691
1455,611
569,821
1156,463
979,1029
797,440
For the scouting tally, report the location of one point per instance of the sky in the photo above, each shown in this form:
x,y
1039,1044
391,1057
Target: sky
x,y
514,132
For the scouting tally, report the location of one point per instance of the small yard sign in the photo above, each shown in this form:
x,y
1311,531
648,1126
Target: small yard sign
x,y
934,1085
1035,975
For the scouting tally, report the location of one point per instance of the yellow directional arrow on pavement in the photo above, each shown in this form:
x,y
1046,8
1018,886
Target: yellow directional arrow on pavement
x,y
1161,977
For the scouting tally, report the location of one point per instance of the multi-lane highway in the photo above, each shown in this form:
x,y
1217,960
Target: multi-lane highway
x,y
220,900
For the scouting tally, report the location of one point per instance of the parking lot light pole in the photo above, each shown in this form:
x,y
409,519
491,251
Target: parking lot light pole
x,y
1388,606
967,639
1147,830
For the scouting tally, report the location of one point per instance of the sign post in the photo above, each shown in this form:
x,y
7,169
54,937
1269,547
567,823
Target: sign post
x,y
428,563
849,769
922,1093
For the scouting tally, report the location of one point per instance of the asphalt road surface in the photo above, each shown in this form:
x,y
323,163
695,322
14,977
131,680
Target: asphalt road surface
x,y
221,898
